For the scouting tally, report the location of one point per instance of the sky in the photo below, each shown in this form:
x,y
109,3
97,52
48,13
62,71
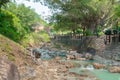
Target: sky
x,y
40,9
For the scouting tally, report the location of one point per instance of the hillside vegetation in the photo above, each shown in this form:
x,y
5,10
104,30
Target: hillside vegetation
x,y
13,51
17,22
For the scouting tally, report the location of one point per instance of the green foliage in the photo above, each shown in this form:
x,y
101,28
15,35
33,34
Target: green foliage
x,y
19,28
88,32
81,14
26,15
117,11
10,26
3,2
35,38
72,14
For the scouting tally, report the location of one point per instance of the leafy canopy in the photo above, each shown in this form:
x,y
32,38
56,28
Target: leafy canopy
x,y
10,26
81,14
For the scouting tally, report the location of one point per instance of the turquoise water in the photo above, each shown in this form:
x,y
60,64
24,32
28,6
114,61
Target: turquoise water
x,y
99,74
105,75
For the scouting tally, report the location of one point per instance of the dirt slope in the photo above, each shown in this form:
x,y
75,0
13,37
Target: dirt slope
x,y
13,51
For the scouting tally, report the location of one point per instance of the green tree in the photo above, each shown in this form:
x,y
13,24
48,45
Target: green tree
x,y
117,16
85,14
10,26
3,2
26,15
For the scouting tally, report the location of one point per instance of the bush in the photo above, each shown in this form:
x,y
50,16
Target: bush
x,y
10,26
88,33
34,39
108,32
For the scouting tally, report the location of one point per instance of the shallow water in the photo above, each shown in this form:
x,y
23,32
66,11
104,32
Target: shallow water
x,y
105,75
99,74
81,66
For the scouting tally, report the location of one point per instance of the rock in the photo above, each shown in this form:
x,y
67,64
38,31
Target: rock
x,y
46,56
62,54
58,58
69,65
115,63
78,56
91,50
36,53
82,59
62,70
8,71
52,70
98,66
68,57
114,69
72,52
106,61
116,57
88,56
99,59
26,72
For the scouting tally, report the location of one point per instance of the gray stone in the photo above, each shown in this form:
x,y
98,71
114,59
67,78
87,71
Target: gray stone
x,y
116,57
48,54
114,69
8,71
28,72
88,56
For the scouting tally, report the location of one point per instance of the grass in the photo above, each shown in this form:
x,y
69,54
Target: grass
x,y
9,48
35,38
13,51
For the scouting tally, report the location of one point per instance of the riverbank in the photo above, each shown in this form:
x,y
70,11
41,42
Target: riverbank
x,y
59,66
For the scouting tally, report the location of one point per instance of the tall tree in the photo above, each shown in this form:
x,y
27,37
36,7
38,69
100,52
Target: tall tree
x,y
85,14
10,26
3,2
26,15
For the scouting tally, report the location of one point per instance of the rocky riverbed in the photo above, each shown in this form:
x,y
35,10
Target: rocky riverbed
x,y
56,64
53,70
61,65
57,69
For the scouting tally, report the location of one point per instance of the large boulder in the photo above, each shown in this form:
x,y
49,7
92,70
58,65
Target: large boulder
x,y
114,69
8,71
36,53
98,66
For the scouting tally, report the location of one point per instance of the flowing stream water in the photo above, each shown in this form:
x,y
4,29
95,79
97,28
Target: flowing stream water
x,y
100,74
81,66
105,75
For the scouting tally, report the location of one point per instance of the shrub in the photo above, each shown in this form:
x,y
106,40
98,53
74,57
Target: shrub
x,y
108,32
10,26
35,39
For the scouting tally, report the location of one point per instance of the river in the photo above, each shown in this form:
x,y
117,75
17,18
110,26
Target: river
x,y
101,74
82,66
